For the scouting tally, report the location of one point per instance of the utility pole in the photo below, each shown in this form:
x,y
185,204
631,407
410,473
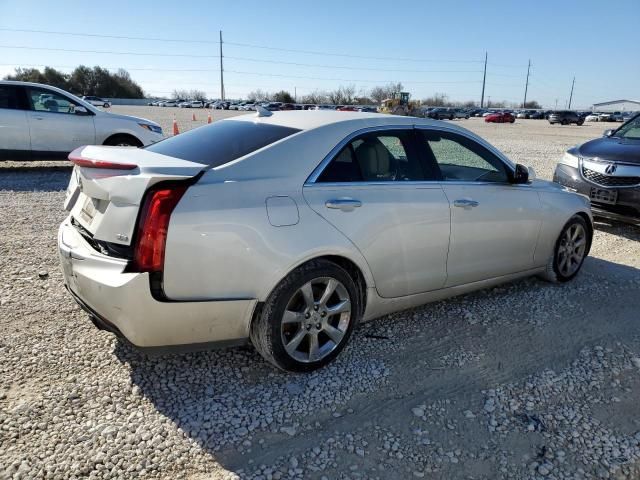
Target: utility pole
x,y
556,104
571,95
295,94
489,102
526,86
221,70
484,79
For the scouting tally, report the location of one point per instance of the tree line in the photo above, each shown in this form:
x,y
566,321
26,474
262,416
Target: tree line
x,y
84,80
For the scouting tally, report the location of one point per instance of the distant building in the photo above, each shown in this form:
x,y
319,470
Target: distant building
x,y
616,106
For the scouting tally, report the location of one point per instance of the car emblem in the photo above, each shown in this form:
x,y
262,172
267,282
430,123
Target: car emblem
x,y
610,169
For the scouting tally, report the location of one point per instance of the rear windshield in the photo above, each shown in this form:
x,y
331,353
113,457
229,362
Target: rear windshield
x,y
221,142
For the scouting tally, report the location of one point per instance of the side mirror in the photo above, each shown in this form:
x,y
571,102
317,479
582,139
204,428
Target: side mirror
x,y
520,175
532,174
80,110
608,132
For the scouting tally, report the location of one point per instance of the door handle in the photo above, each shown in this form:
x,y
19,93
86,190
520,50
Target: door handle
x,y
38,118
344,204
465,203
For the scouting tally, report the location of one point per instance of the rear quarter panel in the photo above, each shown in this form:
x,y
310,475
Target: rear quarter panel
x,y
558,206
221,244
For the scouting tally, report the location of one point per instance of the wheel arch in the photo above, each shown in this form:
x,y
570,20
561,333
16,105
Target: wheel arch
x,y
355,271
589,223
123,134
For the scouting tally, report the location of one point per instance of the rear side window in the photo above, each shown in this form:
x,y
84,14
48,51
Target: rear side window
x,y
221,142
11,98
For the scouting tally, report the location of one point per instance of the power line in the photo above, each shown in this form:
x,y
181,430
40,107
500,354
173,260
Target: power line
x,y
247,59
277,75
238,44
96,35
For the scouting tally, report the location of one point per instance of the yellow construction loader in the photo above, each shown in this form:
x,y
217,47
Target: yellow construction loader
x,y
399,104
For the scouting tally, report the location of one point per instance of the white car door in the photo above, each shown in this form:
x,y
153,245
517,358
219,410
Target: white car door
x,y
373,191
15,143
56,127
494,223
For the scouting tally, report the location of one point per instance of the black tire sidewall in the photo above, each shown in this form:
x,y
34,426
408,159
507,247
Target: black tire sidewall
x,y
277,302
575,219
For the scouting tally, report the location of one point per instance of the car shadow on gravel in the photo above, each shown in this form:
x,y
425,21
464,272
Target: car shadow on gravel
x,y
625,230
31,179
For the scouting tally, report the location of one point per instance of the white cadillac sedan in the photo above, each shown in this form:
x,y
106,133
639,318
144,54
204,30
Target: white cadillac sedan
x,y
41,122
288,228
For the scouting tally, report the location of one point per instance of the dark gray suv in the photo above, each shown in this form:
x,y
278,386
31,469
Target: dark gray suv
x,y
565,117
607,170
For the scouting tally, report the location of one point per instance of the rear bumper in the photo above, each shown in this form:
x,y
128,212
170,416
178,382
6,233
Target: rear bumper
x,y
626,209
122,303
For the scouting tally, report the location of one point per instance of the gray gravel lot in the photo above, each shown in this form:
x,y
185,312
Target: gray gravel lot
x,y
526,380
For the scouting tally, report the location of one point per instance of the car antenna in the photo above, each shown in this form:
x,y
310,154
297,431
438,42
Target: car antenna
x,y
263,112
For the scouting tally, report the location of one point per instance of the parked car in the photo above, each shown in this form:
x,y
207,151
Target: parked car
x,y
348,108
169,103
97,101
41,122
616,116
287,106
273,106
441,113
196,104
234,105
500,117
565,117
460,113
592,117
191,259
607,170
537,115
368,109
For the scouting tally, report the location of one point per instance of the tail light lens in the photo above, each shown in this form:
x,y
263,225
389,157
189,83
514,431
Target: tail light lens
x,y
151,237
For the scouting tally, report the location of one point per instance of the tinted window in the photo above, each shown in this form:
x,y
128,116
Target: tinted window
x,y
374,157
10,98
631,129
221,142
459,158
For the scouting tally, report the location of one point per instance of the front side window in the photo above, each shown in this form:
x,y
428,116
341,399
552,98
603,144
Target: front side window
x,y
49,101
630,130
460,159
375,157
11,97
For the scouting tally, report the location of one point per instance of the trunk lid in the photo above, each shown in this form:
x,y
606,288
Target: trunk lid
x,y
108,184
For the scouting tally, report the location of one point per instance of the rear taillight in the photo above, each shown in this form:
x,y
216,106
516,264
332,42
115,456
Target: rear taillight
x,y
151,237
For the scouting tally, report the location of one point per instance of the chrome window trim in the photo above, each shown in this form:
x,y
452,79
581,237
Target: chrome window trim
x,y
312,179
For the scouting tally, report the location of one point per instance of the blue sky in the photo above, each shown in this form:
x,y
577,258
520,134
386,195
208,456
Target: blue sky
x,y
432,47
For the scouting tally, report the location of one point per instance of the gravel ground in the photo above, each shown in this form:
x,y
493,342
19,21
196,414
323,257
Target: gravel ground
x,y
526,380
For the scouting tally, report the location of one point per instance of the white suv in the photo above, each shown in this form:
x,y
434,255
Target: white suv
x,y
43,122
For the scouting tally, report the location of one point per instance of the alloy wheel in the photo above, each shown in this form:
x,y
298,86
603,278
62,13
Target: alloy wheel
x,y
316,319
571,250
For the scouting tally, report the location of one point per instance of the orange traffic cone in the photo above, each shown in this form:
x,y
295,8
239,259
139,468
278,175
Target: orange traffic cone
x,y
193,117
209,117
175,127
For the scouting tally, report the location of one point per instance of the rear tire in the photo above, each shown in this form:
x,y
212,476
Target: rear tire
x,y
563,122
308,318
570,250
123,141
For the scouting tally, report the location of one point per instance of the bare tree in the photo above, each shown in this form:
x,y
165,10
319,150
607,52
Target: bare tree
x,y
176,94
198,95
315,97
259,95
378,94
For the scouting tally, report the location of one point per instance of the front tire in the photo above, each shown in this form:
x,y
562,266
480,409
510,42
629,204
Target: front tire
x,y
308,318
570,251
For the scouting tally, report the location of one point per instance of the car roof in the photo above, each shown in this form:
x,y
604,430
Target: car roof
x,y
311,119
